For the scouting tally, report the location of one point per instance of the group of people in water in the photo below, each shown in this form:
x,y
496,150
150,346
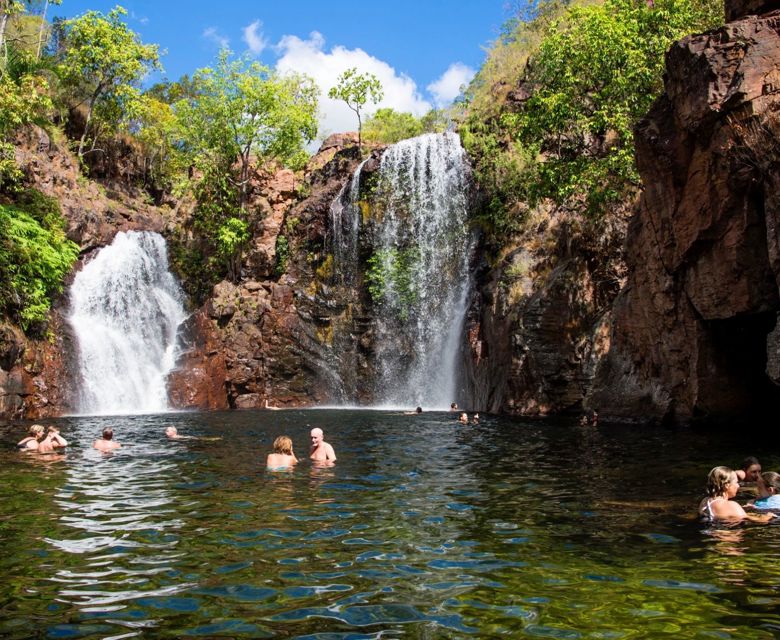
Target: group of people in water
x,y
724,483
283,458
43,440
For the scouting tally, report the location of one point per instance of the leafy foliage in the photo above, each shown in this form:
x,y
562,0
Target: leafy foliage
x,y
592,71
103,62
388,126
22,102
390,279
35,256
238,112
356,89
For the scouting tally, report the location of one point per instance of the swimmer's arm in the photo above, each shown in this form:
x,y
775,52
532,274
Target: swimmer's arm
x,y
761,518
331,454
59,441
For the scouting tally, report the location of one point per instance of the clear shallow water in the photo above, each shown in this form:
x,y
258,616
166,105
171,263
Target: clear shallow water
x,y
423,529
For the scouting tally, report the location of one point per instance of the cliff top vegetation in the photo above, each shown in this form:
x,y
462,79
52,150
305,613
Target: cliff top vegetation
x,y
551,113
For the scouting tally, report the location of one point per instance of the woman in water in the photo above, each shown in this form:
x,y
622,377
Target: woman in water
x,y
283,457
722,486
31,442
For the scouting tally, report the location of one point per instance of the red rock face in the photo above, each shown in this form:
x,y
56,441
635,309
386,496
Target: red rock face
x,y
692,327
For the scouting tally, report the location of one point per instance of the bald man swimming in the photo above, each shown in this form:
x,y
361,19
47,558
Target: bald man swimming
x,y
320,451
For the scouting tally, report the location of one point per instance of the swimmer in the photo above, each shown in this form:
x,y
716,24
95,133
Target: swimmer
x,y
172,433
283,457
475,419
771,481
454,406
320,450
750,477
413,413
52,441
107,442
722,486
32,441
463,418
270,407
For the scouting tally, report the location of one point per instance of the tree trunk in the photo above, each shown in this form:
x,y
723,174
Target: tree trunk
x,y
40,31
3,24
360,135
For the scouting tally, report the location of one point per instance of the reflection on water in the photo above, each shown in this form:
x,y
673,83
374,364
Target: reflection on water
x,y
424,528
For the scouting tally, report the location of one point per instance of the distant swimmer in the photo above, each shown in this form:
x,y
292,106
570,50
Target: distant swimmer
x,y
172,433
270,407
413,413
32,441
283,457
454,406
107,442
475,419
463,418
52,441
320,451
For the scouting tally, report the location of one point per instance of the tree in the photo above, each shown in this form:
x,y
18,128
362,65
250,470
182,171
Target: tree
x,y
106,60
596,73
241,109
356,89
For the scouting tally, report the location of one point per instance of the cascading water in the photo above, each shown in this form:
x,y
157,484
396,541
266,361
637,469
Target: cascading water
x,y
125,308
416,246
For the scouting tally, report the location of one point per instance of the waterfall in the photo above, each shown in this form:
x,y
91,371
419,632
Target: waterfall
x,y
125,308
409,222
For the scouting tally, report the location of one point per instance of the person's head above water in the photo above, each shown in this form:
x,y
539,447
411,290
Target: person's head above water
x,y
316,436
719,480
751,468
771,481
283,444
418,410
108,433
171,432
454,406
36,431
464,417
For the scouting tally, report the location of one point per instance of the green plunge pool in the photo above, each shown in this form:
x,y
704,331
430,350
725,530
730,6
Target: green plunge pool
x,y
423,529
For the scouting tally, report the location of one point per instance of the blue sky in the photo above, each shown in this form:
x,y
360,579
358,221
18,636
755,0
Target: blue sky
x,y
422,51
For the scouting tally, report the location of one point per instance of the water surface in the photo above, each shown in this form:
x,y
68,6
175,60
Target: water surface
x,y
423,529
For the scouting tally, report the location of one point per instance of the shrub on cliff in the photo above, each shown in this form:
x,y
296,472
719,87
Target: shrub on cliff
x,y
35,256
388,126
567,132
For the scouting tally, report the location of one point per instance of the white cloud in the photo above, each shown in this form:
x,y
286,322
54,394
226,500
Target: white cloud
x,y
310,57
447,87
253,36
213,35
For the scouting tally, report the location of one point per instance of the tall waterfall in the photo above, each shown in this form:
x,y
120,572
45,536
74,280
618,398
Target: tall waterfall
x,y
125,308
408,223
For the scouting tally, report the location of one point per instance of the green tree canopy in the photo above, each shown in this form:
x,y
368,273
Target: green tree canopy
x,y
356,89
105,61
241,109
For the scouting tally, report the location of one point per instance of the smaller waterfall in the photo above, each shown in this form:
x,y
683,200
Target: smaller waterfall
x,y
125,308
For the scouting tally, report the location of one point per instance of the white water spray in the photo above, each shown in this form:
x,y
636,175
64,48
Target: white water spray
x,y
125,308
419,269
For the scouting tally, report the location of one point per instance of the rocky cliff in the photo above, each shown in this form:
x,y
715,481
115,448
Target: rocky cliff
x,y
694,332
249,342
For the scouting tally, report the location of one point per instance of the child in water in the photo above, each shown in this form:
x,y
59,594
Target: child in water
x,y
771,481
722,486
283,457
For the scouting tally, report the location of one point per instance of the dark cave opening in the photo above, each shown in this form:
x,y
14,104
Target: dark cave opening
x,y
733,382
